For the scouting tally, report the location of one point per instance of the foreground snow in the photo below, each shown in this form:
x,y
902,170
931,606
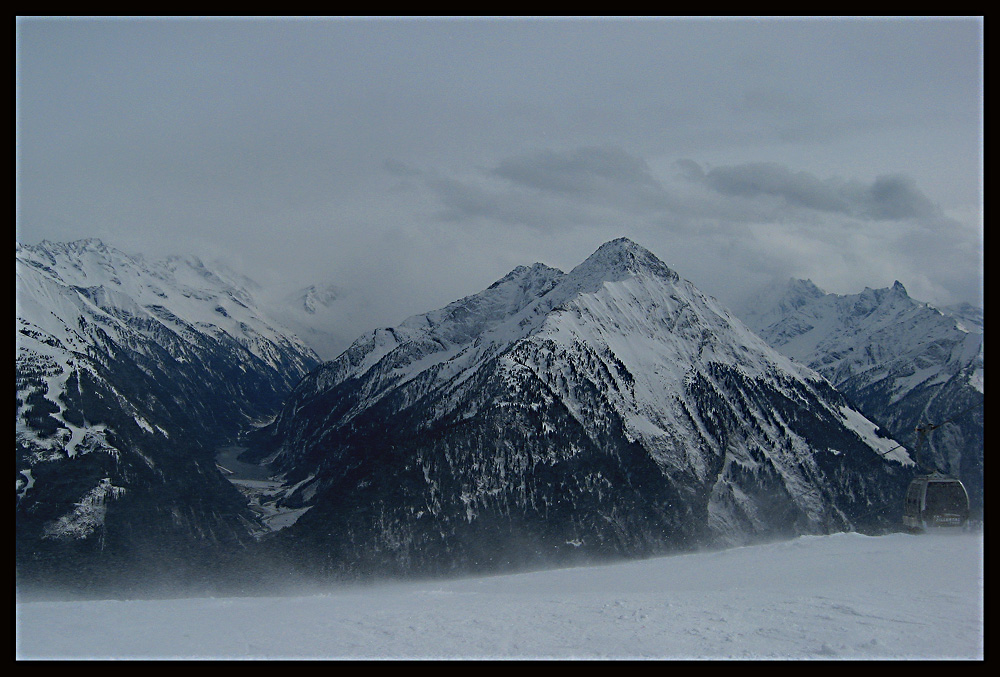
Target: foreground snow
x,y
842,596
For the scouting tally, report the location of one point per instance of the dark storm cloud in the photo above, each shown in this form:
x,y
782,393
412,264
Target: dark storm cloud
x,y
886,198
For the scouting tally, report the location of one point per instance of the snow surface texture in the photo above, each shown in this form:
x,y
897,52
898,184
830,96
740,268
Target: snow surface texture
x,y
844,596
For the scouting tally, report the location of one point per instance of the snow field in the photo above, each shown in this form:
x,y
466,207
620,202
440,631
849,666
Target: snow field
x,y
844,596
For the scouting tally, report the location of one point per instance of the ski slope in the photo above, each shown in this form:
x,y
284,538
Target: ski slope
x,y
844,596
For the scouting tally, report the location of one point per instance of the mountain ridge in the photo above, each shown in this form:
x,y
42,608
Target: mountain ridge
x,y
663,418
128,373
903,362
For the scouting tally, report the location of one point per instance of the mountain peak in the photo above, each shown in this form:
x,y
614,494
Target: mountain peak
x,y
623,247
523,274
791,294
621,258
75,246
315,297
806,285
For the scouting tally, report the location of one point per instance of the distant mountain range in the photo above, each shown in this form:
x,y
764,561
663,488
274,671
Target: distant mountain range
x,y
611,411
903,363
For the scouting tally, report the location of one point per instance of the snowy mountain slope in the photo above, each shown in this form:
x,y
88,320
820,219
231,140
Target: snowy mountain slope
x,y
179,294
128,373
902,362
969,316
610,411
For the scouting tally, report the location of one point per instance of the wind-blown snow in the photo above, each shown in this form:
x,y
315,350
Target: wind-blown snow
x,y
843,596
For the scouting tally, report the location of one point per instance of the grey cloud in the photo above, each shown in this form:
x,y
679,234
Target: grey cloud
x,y
603,176
465,201
887,198
772,101
547,189
462,200
400,170
269,138
581,170
897,197
689,169
798,117
768,178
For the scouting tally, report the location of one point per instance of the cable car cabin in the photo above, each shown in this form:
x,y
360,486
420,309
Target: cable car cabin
x,y
934,501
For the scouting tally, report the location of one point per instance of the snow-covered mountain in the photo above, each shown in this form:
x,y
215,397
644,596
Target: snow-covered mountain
x,y
128,374
968,315
611,411
902,362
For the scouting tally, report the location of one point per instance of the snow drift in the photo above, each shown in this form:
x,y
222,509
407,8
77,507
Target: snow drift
x,y
845,596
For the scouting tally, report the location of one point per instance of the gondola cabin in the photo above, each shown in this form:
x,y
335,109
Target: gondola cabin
x,y
935,501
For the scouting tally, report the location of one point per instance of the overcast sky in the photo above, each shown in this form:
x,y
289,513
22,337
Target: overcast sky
x,y
417,160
